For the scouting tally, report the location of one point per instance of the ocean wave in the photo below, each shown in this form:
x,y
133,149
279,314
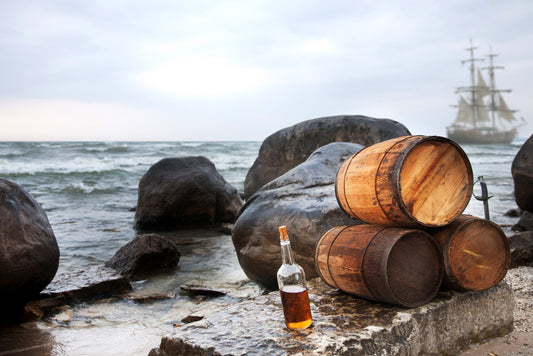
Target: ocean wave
x,y
75,165
484,161
191,144
105,149
83,188
66,158
27,153
230,165
78,187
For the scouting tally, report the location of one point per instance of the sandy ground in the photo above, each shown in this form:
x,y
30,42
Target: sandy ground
x,y
520,340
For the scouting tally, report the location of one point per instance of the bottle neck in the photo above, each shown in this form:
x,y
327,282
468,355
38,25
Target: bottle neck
x,y
286,254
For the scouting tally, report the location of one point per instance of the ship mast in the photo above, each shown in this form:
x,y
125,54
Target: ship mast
x,y
472,87
494,107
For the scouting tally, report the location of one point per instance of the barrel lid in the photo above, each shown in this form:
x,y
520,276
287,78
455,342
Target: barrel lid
x,y
477,255
435,180
410,266
414,269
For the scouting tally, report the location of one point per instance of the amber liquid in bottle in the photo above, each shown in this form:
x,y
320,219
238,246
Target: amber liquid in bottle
x,y
292,287
296,309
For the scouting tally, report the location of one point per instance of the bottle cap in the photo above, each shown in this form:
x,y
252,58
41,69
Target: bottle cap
x,y
283,233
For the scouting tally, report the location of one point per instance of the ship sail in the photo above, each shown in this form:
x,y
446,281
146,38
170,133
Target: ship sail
x,y
482,89
465,114
471,114
504,112
482,114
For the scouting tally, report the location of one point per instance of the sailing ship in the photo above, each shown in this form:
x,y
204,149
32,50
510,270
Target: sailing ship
x,y
483,116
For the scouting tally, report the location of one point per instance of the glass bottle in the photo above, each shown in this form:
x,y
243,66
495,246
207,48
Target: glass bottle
x,y
292,287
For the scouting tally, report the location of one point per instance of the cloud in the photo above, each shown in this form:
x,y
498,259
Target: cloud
x,y
205,64
203,76
320,46
65,120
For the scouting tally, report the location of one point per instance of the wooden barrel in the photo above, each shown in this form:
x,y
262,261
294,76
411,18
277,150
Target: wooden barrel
x,y
475,253
385,264
409,181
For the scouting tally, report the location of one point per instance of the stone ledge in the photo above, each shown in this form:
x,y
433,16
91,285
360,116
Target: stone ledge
x,y
74,286
346,325
91,282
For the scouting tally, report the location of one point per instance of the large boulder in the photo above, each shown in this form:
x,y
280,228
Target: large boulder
x,y
521,246
304,200
185,191
522,171
29,254
291,146
144,255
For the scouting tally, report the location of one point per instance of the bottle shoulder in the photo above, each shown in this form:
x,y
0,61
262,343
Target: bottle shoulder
x,y
287,269
292,274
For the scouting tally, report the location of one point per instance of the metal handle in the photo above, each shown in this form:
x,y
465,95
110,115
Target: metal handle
x,y
484,196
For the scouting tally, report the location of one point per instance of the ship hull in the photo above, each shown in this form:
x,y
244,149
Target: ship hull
x,y
478,137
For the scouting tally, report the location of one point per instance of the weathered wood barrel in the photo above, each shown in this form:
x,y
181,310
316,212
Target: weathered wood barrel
x,y
409,181
386,264
475,253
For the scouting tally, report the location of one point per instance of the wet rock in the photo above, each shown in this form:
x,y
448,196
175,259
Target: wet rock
x,y
29,254
521,246
289,147
525,222
74,286
186,191
343,324
36,309
64,315
304,200
24,340
226,228
90,283
191,319
144,297
513,213
522,171
196,289
143,255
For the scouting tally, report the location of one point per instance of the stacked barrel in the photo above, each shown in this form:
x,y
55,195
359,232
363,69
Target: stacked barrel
x,y
411,192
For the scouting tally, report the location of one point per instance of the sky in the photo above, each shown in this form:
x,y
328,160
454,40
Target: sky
x,y
182,70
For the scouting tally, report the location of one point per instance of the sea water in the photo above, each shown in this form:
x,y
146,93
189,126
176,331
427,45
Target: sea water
x,y
89,190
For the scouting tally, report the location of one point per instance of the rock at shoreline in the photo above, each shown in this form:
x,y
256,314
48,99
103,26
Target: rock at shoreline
x,y
69,287
522,171
200,290
29,254
182,192
513,213
521,246
525,222
304,200
88,283
145,254
290,146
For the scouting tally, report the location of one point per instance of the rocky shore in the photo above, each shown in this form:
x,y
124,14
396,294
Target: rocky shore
x,y
298,192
